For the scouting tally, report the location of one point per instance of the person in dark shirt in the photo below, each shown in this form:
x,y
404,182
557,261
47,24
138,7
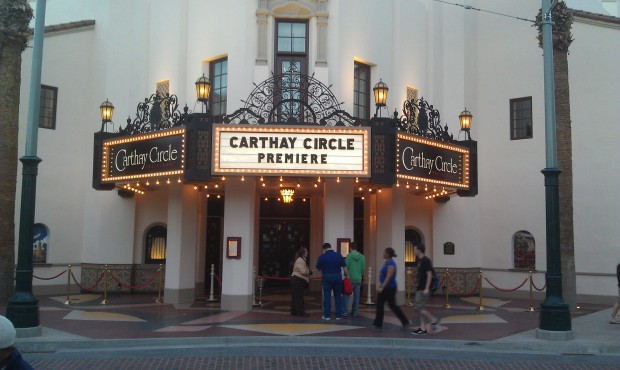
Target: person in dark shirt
x,y
425,277
10,358
614,311
330,263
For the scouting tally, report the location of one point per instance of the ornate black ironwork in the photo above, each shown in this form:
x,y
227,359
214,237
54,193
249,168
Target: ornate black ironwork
x,y
156,113
422,119
292,98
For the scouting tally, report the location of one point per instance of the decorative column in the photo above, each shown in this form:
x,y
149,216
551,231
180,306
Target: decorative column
x,y
261,33
338,210
391,233
239,221
181,245
321,27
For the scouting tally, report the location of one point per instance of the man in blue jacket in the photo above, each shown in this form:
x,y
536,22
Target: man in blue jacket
x,y
330,263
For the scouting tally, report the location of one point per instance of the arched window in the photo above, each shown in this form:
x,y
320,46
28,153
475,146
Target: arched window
x,y
524,250
156,245
40,243
412,238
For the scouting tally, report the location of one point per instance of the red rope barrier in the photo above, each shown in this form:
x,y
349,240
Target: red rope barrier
x,y
51,278
86,289
454,290
505,290
274,278
541,289
217,278
134,286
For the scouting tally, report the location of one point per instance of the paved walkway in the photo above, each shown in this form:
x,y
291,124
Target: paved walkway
x,y
134,321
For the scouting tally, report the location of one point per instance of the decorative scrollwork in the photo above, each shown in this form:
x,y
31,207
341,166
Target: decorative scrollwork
x,y
292,98
156,113
422,119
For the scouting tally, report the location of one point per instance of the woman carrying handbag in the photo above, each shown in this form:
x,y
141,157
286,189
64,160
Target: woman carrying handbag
x,y
299,282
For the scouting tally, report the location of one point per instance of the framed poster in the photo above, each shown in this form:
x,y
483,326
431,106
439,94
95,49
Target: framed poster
x,y
233,247
343,246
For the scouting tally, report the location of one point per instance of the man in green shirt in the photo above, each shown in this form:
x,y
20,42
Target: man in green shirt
x,y
356,264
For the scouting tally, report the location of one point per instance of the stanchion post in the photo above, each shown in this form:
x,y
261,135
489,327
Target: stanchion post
x,y
160,278
105,285
531,308
212,288
369,295
481,306
261,283
409,283
254,283
446,280
68,301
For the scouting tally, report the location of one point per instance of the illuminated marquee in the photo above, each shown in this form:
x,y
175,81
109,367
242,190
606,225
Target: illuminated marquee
x,y
430,161
143,156
304,151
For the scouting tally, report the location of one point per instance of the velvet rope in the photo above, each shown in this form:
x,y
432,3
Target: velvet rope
x,y
50,278
134,286
86,289
505,290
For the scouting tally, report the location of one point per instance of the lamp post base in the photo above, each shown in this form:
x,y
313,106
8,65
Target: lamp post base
x,y
556,336
23,311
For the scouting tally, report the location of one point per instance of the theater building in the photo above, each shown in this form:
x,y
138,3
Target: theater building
x,y
234,132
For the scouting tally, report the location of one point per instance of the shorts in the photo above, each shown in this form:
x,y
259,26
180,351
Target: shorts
x,y
420,301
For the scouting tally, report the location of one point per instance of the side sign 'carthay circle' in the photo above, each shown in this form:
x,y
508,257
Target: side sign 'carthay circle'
x,y
435,162
142,156
300,151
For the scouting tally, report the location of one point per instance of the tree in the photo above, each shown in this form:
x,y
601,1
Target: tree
x,y
15,16
562,18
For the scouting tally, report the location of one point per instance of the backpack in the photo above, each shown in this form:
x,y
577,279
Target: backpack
x,y
434,281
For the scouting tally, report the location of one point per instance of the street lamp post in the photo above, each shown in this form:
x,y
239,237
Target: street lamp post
x,y
23,308
555,321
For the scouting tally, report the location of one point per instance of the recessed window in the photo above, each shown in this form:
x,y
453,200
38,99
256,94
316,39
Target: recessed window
x,y
40,243
521,119
524,250
47,107
156,245
361,90
218,70
291,37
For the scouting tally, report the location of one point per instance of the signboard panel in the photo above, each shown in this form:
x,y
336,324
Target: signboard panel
x,y
143,156
303,151
431,161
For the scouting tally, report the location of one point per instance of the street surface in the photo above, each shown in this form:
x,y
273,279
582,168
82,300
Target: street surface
x,y
292,357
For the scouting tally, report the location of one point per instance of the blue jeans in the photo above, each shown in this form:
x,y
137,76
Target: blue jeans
x,y
332,283
356,300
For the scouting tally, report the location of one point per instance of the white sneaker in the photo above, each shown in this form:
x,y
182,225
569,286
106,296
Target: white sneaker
x,y
325,318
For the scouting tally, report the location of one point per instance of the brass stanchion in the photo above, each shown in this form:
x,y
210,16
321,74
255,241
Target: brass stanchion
x,y
446,280
68,301
105,285
369,295
212,292
409,283
159,300
481,306
254,284
531,308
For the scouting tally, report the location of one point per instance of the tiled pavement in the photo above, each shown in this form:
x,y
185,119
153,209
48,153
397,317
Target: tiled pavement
x,y
129,322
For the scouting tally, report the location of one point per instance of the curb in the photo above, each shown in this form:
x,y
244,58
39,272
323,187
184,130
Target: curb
x,y
28,345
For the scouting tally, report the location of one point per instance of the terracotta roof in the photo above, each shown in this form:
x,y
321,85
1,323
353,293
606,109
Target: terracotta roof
x,y
68,26
596,16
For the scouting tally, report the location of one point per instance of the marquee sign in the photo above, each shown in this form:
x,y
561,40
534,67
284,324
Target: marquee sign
x,y
431,161
304,151
156,154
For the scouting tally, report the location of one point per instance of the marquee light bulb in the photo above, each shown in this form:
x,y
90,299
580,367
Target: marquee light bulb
x,y
208,195
266,199
261,179
338,179
216,186
195,187
147,183
298,185
319,180
360,188
223,178
398,184
179,180
263,184
168,181
304,199
281,179
242,178
316,185
157,182
206,186
362,198
357,180
218,196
